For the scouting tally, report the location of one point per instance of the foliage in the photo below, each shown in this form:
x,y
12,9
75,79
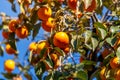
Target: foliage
x,y
91,30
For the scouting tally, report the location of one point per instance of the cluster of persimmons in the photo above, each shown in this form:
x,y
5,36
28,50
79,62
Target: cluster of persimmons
x,y
59,39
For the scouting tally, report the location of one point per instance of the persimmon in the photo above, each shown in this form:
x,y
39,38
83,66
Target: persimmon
x,y
61,40
114,62
6,34
102,73
9,65
22,32
44,13
57,63
17,78
41,45
91,7
70,78
48,24
54,56
117,43
13,25
72,4
66,50
33,47
117,76
9,49
81,59
105,52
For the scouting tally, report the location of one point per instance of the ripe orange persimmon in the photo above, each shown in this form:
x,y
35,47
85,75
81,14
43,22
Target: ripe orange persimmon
x,y
81,59
44,13
117,43
61,40
114,62
48,24
13,25
17,78
6,34
22,32
102,73
117,76
66,50
72,4
91,7
33,47
105,52
57,63
9,65
41,45
9,49
54,56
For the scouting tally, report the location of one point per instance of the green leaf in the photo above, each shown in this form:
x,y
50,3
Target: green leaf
x,y
33,16
87,62
49,77
30,56
49,62
94,43
43,51
114,29
1,26
95,74
111,40
9,75
59,51
36,30
88,35
80,66
118,52
39,70
102,31
1,51
82,75
13,44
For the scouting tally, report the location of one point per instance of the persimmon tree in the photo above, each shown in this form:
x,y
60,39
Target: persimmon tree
x,y
89,28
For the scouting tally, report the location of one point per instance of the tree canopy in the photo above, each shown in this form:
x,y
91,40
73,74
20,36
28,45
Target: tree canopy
x,y
80,41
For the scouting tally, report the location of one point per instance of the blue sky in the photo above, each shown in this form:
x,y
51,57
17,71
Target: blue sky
x,y
23,44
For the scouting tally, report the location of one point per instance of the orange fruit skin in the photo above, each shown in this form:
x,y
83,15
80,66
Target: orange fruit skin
x,y
42,45
12,25
44,13
48,25
61,40
57,64
22,32
116,43
81,59
117,76
102,74
92,7
33,47
72,4
9,49
5,34
54,56
114,62
9,65
66,50
105,52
